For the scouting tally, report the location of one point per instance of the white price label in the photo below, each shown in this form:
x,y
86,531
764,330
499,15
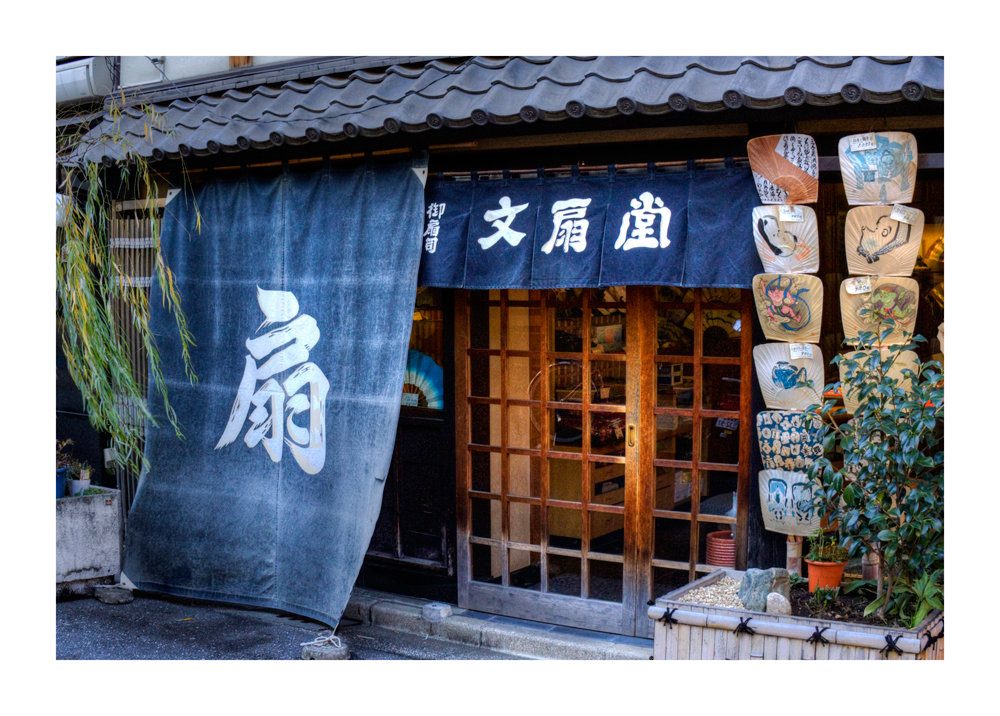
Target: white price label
x,y
786,212
728,423
906,214
862,142
861,284
800,350
410,400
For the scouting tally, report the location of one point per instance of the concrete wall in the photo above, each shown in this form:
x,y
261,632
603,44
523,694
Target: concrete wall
x,y
88,537
138,70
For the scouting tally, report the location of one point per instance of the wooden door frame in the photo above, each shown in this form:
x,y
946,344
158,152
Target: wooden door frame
x,y
628,617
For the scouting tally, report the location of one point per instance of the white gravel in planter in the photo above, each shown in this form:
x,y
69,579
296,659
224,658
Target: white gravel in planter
x,y
722,593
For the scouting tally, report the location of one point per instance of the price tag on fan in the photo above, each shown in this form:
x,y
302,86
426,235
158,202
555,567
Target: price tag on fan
x,y
728,423
787,212
800,350
605,393
905,214
410,399
862,142
861,284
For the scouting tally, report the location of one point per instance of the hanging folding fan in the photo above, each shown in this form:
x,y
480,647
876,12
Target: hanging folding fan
x,y
789,306
850,386
881,168
779,372
785,168
788,440
786,502
786,246
424,378
878,244
866,302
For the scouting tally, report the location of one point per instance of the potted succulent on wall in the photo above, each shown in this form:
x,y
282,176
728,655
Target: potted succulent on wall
x,y
63,461
888,495
826,560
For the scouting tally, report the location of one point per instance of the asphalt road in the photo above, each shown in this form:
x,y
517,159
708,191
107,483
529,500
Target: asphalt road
x,y
155,627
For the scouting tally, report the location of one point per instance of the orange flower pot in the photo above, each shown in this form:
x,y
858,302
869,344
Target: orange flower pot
x,y
825,574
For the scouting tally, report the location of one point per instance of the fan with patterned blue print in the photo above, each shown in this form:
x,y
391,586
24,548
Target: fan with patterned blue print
x,y
423,384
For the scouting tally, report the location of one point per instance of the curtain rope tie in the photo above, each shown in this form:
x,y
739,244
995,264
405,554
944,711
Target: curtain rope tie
x,y
744,627
817,637
328,640
890,645
668,618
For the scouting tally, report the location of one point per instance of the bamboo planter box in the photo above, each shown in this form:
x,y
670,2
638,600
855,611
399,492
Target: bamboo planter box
x,y
704,632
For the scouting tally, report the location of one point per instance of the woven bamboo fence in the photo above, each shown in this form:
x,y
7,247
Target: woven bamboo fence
x,y
685,631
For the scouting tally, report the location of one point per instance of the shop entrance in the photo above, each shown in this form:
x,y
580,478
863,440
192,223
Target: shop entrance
x,y
601,434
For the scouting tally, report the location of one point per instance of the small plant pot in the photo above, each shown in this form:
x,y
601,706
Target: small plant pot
x,y
825,574
77,486
721,549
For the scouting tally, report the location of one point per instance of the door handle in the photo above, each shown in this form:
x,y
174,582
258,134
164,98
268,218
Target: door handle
x,y
631,436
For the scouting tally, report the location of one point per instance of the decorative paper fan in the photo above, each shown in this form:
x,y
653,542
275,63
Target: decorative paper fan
x,y
849,388
788,440
785,168
779,373
716,317
786,502
878,244
889,297
883,175
786,246
425,378
789,306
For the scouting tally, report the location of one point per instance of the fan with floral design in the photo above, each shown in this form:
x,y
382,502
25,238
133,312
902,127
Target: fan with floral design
x,y
867,302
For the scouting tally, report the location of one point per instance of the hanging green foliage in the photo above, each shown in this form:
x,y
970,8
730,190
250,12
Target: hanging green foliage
x,y
89,282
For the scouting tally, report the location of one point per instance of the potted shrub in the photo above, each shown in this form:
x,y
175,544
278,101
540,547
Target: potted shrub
x,y
826,560
79,477
887,496
63,461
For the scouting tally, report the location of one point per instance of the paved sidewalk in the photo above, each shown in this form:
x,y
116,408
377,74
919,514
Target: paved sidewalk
x,y
375,626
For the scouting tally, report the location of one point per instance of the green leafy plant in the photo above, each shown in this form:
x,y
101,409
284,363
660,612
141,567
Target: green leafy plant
x,y
887,494
89,283
797,580
63,458
823,599
824,549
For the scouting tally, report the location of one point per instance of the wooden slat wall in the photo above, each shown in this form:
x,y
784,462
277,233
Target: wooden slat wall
x,y
133,253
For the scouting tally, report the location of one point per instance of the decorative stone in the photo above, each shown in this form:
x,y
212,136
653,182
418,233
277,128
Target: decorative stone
x,y
436,611
777,604
113,594
758,583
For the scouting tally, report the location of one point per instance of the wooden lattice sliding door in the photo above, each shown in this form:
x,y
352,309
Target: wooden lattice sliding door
x,y
572,425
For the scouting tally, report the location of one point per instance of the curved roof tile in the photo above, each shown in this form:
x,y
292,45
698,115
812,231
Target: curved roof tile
x,y
508,90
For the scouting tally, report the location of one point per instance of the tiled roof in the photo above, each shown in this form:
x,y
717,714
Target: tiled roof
x,y
481,91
